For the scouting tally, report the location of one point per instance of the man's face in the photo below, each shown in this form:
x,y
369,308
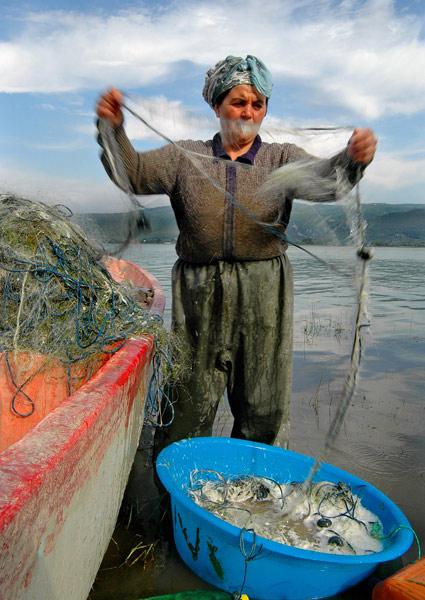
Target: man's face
x,y
241,113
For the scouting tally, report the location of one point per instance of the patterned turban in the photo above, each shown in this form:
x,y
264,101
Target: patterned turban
x,y
233,71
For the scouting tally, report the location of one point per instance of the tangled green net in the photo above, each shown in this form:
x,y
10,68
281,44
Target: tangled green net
x,y
57,297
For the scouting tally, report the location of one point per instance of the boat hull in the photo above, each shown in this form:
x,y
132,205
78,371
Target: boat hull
x,y
62,484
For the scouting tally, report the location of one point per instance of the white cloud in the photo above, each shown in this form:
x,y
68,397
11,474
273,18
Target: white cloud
x,y
360,54
392,172
46,106
80,195
315,139
170,117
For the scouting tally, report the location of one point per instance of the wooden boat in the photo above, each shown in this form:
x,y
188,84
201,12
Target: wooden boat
x,y
62,482
406,584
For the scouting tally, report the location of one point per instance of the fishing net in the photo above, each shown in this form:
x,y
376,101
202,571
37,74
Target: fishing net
x,y
328,517
60,307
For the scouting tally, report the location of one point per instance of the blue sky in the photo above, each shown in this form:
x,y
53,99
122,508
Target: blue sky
x,y
343,63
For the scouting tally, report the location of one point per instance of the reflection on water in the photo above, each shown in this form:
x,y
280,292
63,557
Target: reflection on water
x,y
397,283
382,439
158,259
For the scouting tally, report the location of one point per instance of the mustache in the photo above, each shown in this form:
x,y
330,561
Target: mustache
x,y
233,129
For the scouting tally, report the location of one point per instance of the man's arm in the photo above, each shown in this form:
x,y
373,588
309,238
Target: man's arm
x,y
315,179
152,172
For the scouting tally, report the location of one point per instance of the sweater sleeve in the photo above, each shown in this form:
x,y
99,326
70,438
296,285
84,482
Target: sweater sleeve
x,y
152,172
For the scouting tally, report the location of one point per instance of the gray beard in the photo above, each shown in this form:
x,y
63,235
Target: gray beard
x,y
235,131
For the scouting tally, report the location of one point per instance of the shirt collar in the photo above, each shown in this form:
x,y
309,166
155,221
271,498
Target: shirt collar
x,y
248,157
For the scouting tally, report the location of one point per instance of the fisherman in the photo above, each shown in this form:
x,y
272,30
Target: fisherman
x,y
232,282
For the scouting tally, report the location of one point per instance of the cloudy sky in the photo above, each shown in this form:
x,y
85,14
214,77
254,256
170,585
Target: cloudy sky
x,y
334,62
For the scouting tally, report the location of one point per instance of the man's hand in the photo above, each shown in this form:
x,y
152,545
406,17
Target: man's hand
x,y
362,146
109,107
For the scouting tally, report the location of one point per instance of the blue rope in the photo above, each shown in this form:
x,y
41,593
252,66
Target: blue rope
x,y
253,553
70,307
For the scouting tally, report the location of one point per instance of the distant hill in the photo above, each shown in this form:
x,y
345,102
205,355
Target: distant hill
x,y
387,224
322,224
114,227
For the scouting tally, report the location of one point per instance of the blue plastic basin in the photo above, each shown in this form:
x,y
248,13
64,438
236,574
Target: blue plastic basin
x,y
212,548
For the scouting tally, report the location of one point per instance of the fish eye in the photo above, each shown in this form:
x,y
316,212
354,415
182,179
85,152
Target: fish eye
x,y
335,540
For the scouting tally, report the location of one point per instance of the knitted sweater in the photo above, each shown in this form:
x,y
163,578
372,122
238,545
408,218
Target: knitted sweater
x,y
217,210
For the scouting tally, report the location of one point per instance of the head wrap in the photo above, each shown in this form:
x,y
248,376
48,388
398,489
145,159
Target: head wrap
x,y
233,71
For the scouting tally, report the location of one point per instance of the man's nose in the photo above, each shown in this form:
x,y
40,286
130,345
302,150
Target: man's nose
x,y
247,112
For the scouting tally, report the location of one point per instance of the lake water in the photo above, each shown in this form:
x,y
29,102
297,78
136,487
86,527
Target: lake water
x,y
382,438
